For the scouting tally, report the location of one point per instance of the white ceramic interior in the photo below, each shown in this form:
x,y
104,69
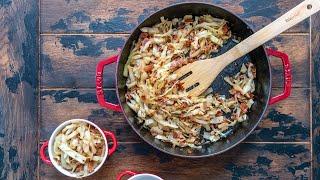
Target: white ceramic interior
x,y
51,141
145,177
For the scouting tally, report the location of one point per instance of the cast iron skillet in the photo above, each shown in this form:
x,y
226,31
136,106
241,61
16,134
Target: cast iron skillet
x,y
258,57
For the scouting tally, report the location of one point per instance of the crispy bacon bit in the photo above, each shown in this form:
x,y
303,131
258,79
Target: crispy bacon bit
x,y
219,113
244,107
191,60
180,86
171,47
232,91
183,105
128,96
182,25
144,35
188,20
175,134
175,56
148,68
187,43
251,95
168,39
90,166
144,41
225,29
213,126
178,63
99,151
79,168
174,37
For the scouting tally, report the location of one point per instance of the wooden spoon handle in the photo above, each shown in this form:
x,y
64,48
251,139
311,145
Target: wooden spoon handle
x,y
291,18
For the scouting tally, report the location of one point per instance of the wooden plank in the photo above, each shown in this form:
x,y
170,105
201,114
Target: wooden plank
x,y
315,40
69,61
297,48
58,106
283,122
18,89
99,16
245,161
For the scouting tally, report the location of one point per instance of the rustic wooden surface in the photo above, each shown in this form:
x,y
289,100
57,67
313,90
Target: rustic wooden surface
x,y
18,89
315,53
75,34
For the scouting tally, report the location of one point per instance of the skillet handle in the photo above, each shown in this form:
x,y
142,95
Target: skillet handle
x,y
114,140
286,73
42,153
99,83
124,173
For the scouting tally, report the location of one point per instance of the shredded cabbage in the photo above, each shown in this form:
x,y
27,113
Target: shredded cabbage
x,y
79,148
157,96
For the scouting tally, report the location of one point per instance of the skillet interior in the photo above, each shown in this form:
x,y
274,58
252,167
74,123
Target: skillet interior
x,y
257,57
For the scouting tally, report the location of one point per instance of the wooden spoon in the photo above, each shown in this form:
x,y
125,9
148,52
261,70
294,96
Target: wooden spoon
x,y
199,75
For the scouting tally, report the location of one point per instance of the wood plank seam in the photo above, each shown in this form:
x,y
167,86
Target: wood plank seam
x,y
310,97
79,88
97,34
39,86
244,142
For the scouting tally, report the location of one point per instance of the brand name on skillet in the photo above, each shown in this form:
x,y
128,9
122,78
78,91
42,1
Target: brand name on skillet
x,y
289,19
293,16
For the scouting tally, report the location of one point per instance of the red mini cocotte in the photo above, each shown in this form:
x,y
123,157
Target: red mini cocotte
x,y
49,145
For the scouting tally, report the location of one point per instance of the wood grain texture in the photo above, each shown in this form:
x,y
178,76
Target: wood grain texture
x,y
70,61
278,149
18,89
315,40
58,106
98,16
283,122
246,161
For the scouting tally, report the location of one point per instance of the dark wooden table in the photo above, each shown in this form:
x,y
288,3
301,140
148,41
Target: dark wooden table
x,y
48,53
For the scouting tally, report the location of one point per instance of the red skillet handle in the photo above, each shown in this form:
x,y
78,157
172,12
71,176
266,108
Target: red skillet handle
x,y
43,156
114,140
99,83
131,173
286,73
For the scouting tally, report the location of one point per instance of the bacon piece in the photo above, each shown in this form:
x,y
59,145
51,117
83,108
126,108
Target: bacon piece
x,y
144,35
148,68
188,20
90,166
144,41
225,29
180,86
178,63
187,43
182,25
219,113
244,107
